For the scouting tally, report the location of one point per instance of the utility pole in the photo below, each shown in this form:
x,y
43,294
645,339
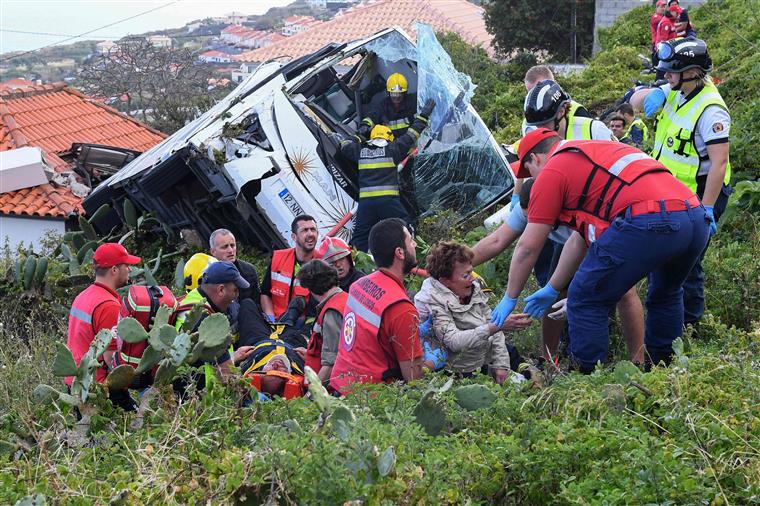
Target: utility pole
x,y
574,31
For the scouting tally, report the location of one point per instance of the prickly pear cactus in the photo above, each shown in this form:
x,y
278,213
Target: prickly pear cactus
x,y
429,413
180,349
318,392
64,364
192,317
165,372
214,330
121,377
161,338
131,331
100,342
472,397
162,316
151,357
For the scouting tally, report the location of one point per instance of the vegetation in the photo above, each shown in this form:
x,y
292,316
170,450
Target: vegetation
x,y
562,30
686,434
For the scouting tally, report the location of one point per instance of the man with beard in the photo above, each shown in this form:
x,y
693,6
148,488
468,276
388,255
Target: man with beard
x,y
380,340
281,283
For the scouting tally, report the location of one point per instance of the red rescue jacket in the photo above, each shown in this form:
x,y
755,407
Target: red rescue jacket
x,y
283,272
360,356
618,165
81,330
314,351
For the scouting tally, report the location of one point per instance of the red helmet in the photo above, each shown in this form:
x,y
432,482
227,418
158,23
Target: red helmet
x,y
332,249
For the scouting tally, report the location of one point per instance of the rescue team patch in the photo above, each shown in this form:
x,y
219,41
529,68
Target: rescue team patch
x,y
349,330
717,127
670,142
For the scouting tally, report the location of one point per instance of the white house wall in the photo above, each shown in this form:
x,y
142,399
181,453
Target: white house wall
x,y
18,229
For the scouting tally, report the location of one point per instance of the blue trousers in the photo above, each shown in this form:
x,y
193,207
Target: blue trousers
x,y
370,211
665,246
694,286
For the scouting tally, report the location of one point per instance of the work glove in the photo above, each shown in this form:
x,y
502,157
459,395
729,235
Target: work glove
x,y
503,310
437,356
537,303
654,102
337,138
515,200
426,327
364,131
427,109
711,215
561,313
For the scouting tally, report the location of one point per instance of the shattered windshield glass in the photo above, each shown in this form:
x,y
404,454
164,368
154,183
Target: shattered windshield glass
x,y
458,166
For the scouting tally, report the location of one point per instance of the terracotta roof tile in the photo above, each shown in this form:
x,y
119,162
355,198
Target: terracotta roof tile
x,y
460,16
53,117
44,200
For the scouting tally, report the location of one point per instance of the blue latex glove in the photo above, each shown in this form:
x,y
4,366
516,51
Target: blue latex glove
x,y
426,327
515,201
713,225
537,303
436,356
271,318
264,397
654,102
503,310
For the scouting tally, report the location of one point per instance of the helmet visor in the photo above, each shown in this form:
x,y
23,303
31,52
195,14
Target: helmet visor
x,y
665,51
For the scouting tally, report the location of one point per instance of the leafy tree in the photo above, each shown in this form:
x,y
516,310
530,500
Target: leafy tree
x,y
531,25
165,87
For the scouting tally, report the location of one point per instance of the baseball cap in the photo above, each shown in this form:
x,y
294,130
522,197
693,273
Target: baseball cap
x,y
529,142
113,253
224,272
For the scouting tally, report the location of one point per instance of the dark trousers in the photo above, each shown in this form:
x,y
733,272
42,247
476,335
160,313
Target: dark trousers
x,y
372,210
254,327
664,246
694,286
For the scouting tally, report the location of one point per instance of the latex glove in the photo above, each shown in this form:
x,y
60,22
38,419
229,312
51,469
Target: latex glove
x,y
502,310
654,102
515,201
713,225
437,356
537,303
427,109
561,313
271,318
426,327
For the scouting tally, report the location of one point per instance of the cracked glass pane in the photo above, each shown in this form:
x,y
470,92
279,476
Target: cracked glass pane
x,y
459,166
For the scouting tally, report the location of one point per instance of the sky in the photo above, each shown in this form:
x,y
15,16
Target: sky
x,y
74,17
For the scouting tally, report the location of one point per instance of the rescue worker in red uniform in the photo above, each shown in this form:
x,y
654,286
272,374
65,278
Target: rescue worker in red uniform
x,y
631,218
380,341
281,284
321,279
97,308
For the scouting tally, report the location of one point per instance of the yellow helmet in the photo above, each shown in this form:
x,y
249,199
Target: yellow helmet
x,y
396,83
194,269
381,132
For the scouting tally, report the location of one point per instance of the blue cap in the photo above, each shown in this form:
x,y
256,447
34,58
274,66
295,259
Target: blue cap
x,y
224,272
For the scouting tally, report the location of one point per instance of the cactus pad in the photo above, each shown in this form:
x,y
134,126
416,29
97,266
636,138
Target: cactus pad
x,y
100,342
165,372
161,338
131,331
162,315
64,364
121,377
318,392
44,393
151,357
472,397
214,330
180,349
429,413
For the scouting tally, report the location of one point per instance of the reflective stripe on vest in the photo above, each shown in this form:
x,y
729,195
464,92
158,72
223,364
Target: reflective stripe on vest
x,y
642,126
674,142
378,175
360,356
397,124
618,166
284,286
80,331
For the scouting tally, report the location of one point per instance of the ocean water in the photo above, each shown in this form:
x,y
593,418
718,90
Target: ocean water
x,y
56,20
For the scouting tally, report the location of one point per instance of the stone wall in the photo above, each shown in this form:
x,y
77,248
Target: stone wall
x,y
607,11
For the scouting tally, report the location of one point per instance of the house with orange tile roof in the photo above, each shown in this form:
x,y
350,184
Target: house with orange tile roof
x,y
52,117
459,16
